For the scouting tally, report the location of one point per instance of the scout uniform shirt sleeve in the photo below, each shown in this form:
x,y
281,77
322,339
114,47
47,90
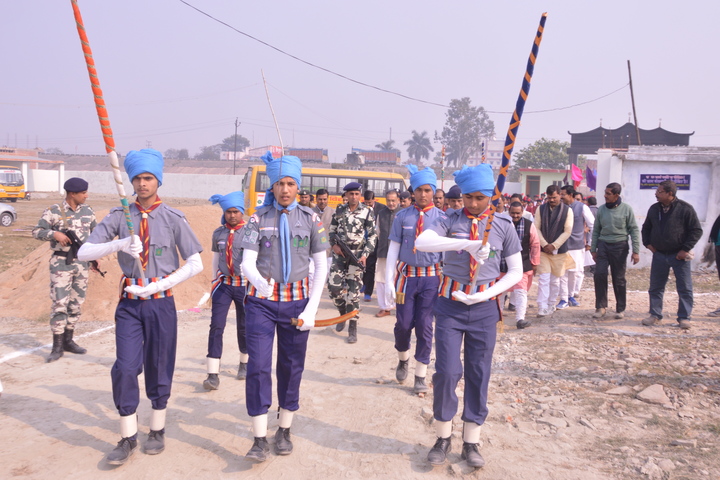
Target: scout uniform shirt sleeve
x,y
251,234
318,235
108,228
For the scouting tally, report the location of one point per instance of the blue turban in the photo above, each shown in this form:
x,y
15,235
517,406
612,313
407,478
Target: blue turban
x,y
279,168
234,199
146,160
476,179
422,177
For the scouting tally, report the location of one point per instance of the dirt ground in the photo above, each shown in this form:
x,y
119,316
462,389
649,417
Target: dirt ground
x,y
568,396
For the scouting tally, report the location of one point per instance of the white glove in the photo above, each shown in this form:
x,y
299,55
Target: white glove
x,y
132,246
470,299
147,291
264,288
308,321
479,251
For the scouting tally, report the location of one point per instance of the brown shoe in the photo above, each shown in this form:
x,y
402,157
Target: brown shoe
x,y
382,313
650,321
599,313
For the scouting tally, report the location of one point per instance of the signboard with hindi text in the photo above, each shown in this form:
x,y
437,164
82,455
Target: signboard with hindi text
x,y
652,180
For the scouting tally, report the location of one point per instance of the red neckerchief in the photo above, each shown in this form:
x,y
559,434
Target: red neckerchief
x,y
475,235
421,221
229,245
144,232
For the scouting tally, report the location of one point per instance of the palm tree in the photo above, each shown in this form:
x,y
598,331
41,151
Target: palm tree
x,y
386,145
419,146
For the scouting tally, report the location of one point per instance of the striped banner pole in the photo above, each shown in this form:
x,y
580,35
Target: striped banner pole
x,y
514,126
105,124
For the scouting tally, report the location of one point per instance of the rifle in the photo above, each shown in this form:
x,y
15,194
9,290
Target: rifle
x,y
75,244
348,254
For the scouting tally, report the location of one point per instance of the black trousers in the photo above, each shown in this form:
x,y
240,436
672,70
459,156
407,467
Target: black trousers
x,y
613,255
369,275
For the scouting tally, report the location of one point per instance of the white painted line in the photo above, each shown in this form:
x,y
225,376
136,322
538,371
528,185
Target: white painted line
x,y
20,353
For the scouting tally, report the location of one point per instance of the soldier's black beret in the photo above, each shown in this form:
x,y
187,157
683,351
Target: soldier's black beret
x,y
75,185
352,186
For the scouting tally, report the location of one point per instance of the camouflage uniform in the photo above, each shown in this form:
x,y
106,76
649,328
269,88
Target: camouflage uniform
x,y
357,230
68,283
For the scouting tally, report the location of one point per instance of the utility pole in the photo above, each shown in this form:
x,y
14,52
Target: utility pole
x,y
632,99
237,124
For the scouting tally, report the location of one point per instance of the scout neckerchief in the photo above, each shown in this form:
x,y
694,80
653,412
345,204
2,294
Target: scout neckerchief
x,y
229,245
474,235
144,232
421,221
285,240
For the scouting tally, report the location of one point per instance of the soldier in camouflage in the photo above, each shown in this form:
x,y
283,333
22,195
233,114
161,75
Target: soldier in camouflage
x,y
353,224
68,275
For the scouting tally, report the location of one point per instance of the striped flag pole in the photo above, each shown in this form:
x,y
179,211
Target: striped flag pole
x,y
105,124
514,126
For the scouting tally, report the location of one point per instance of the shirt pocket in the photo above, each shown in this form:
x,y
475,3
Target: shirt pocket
x,y
300,239
160,242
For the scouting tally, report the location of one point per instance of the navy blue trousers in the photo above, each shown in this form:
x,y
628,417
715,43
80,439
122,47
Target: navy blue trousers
x,y
145,336
474,327
222,297
417,313
262,319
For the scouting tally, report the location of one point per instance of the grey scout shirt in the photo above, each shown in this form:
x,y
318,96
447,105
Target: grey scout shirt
x,y
169,233
503,241
403,232
308,236
219,242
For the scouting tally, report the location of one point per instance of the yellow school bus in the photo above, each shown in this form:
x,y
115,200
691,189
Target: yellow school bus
x,y
256,182
12,183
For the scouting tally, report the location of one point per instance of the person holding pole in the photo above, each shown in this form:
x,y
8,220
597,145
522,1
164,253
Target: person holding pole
x,y
467,310
146,317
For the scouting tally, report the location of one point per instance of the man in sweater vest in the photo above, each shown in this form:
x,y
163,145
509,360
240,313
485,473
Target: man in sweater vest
x,y
530,242
554,222
615,222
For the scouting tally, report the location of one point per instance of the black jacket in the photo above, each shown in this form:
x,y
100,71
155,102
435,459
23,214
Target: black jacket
x,y
714,231
679,229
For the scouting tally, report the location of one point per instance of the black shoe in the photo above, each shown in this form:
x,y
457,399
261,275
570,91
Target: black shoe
x,y
57,348
259,450
523,324
339,327
438,454
70,346
471,454
242,371
352,332
156,442
420,385
122,452
401,372
511,307
283,445
212,382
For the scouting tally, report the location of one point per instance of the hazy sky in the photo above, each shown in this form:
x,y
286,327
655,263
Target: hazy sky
x,y
177,79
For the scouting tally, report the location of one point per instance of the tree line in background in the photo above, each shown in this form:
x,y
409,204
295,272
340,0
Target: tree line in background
x,y
465,128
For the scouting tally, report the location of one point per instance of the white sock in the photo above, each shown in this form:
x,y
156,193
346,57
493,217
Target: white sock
x,y
443,429
259,425
244,357
128,425
420,370
157,419
471,432
213,365
404,356
286,418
